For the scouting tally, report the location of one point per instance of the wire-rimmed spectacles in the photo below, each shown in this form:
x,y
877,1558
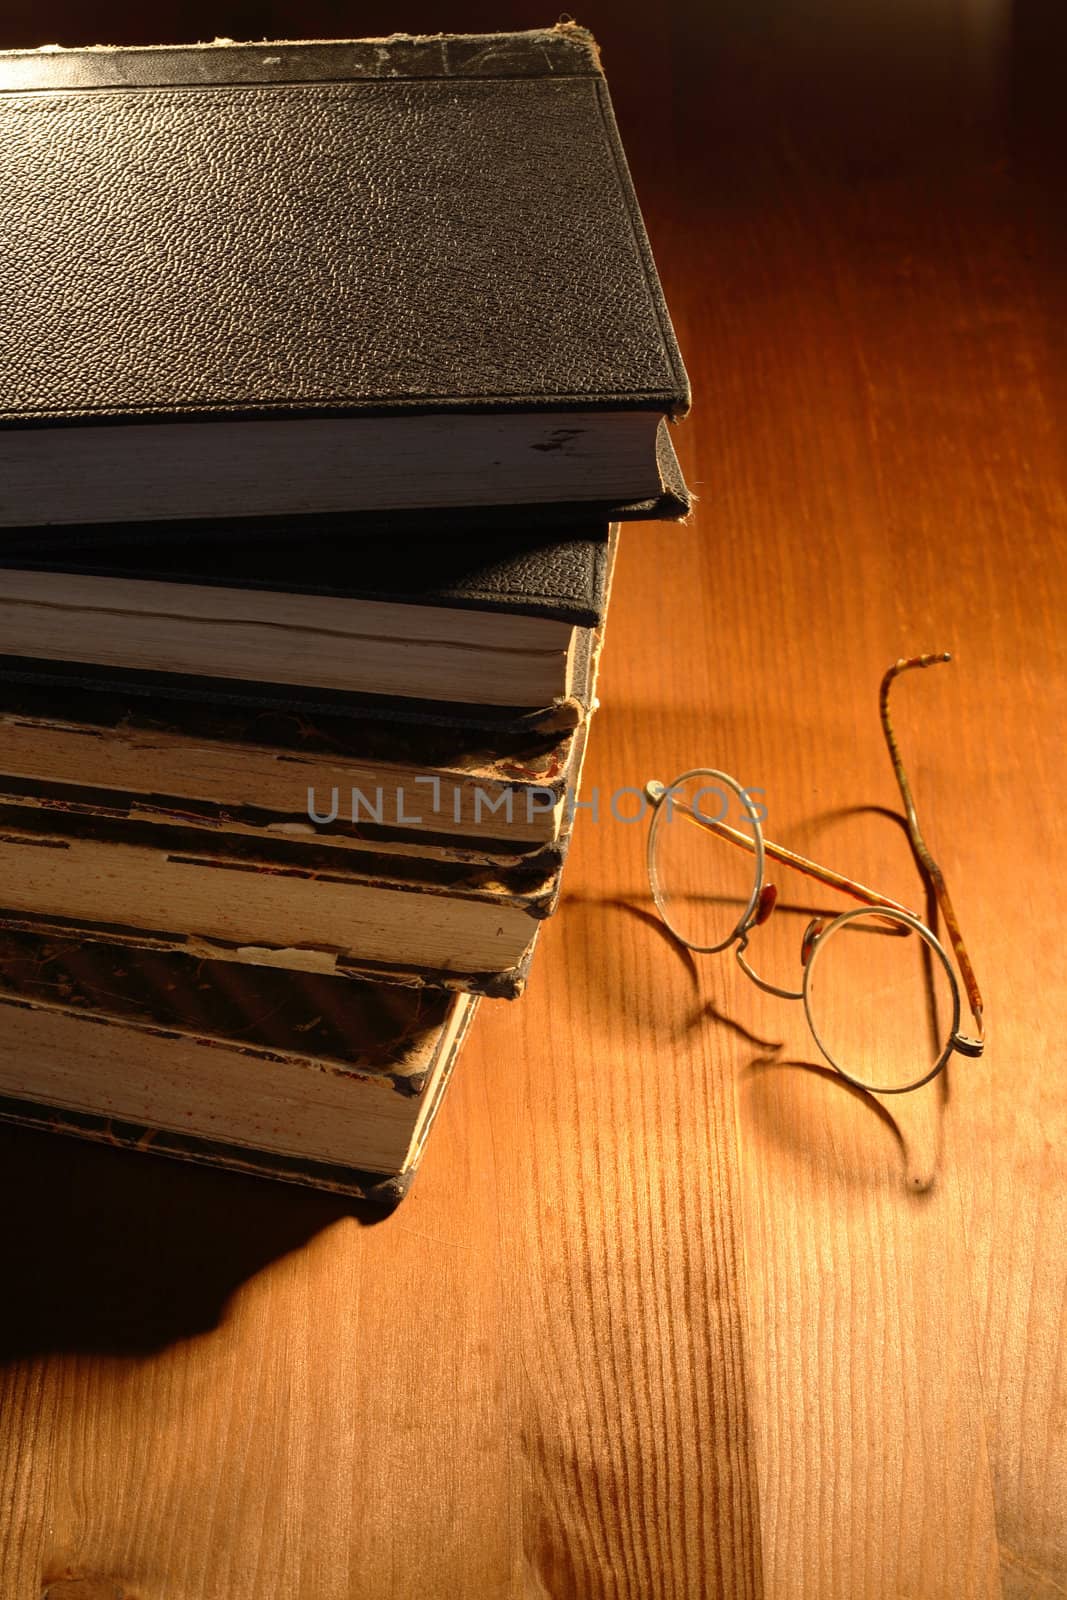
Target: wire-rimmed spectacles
x,y
901,969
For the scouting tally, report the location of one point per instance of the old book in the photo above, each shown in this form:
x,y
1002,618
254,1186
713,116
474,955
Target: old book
x,y
325,1081
359,784
486,620
410,274
441,917
411,919
506,985
362,781
294,905
301,701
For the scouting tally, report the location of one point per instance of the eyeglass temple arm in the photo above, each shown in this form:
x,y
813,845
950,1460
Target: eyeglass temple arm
x,y
918,843
779,852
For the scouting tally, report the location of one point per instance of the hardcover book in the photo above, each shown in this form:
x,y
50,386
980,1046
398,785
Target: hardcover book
x,y
486,620
392,276
397,785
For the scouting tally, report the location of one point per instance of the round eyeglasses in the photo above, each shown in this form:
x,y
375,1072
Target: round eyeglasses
x,y
879,990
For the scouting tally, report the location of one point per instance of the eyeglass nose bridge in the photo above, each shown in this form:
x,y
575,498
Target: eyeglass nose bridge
x,y
762,983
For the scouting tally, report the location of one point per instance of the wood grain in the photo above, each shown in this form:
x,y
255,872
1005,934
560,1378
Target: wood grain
x,y
671,1312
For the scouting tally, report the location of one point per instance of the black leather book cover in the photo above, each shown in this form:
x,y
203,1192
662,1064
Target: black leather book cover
x,y
356,227
234,694
558,573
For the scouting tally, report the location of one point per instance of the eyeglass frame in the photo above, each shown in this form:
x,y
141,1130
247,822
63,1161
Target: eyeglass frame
x,y
763,897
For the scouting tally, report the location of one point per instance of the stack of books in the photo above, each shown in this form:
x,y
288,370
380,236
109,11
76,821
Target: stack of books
x,y
328,374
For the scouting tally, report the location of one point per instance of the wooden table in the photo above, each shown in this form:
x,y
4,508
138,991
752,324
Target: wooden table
x,y
669,1312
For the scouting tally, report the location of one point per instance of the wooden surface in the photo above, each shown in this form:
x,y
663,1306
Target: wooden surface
x,y
669,1312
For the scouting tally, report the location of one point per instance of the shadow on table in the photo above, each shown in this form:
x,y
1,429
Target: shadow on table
x,y
794,1104
118,1252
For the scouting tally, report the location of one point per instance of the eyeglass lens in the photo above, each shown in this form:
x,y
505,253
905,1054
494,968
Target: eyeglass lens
x,y
880,1002
704,881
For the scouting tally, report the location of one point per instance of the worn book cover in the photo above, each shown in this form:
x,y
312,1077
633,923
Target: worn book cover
x,y
331,1082
289,904
436,919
